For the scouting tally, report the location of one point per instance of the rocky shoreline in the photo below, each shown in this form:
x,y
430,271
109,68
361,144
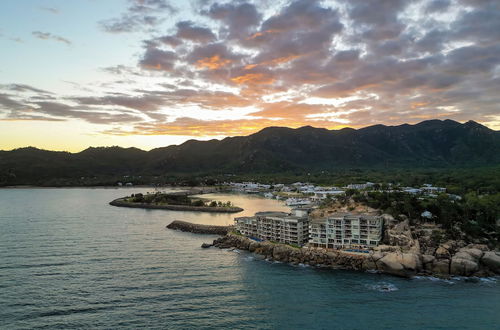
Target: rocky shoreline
x,y
471,260
120,202
199,228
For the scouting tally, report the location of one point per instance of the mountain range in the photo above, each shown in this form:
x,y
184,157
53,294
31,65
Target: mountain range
x,y
432,143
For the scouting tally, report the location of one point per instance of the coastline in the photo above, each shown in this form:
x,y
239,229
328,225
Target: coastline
x,y
121,203
399,264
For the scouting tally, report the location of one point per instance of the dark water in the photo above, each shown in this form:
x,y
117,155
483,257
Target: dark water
x,y
68,260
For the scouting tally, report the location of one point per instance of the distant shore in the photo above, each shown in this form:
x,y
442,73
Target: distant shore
x,y
84,187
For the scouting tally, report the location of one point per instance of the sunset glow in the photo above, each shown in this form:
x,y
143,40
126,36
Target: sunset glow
x,y
150,73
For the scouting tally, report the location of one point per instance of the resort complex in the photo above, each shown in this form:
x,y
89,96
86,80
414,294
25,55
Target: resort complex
x,y
336,231
278,227
346,230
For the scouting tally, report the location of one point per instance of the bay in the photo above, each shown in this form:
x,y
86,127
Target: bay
x,y
70,260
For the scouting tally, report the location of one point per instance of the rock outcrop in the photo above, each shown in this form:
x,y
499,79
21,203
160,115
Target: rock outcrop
x,y
289,254
492,260
449,258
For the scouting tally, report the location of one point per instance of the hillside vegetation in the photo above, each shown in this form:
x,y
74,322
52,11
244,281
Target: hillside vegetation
x,y
273,150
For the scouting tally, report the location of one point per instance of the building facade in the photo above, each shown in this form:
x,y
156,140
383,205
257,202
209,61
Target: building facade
x,y
345,230
278,227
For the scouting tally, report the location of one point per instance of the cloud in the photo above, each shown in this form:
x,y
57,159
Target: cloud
x,y
50,36
140,15
157,59
437,6
238,18
8,103
31,103
24,88
189,31
230,68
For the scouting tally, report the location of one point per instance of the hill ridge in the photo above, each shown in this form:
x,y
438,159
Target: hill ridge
x,y
433,143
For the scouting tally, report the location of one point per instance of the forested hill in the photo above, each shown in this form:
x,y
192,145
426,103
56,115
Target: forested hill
x,y
432,143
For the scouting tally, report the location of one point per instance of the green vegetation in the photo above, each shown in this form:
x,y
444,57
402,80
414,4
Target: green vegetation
x,y
174,199
472,217
442,152
237,233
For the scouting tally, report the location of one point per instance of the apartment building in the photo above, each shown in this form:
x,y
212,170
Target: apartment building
x,y
278,227
345,230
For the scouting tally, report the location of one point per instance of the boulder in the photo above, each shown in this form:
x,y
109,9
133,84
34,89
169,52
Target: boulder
x,y
411,262
473,252
391,264
376,256
206,245
482,247
426,258
492,260
369,264
386,248
442,252
469,254
253,246
463,266
281,253
441,266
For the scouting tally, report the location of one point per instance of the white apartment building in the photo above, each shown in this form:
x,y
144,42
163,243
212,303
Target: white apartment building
x,y
345,230
278,227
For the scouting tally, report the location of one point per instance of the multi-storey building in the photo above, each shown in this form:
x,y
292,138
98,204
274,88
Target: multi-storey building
x,y
279,227
345,230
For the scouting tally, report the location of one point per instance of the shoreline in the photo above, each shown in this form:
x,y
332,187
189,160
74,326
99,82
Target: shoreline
x,y
469,261
406,265
183,188
120,203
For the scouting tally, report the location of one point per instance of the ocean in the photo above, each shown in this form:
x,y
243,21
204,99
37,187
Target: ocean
x,y
69,260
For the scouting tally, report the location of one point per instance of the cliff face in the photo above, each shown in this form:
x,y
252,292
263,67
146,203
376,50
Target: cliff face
x,y
448,259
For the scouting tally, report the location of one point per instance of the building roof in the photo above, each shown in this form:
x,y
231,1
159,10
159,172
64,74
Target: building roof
x,y
271,214
342,215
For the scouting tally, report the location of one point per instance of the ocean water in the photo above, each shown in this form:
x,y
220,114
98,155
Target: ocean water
x,y
68,260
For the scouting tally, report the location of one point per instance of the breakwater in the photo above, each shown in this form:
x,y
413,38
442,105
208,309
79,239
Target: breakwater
x,y
123,203
198,228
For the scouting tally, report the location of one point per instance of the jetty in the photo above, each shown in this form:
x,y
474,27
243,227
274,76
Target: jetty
x,y
199,228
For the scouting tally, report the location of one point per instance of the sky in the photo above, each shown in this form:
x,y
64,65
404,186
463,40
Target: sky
x,y
150,73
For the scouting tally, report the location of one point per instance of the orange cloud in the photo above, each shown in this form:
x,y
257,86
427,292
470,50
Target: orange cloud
x,y
213,62
208,128
155,67
260,34
253,79
416,105
251,66
276,61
